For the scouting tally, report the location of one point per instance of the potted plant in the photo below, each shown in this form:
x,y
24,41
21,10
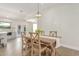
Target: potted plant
x,y
40,31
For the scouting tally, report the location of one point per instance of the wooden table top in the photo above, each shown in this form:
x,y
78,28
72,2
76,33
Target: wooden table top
x,y
46,39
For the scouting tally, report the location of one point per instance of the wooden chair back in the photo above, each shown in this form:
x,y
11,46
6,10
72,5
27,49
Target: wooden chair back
x,y
53,33
34,39
23,42
33,35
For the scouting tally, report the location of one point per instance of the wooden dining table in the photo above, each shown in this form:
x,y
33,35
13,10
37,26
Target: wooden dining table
x,y
55,41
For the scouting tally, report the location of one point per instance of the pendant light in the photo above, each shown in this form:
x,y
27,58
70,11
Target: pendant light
x,y
38,15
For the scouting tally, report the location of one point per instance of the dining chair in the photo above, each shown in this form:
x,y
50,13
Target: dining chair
x,y
26,44
53,33
50,50
23,42
36,46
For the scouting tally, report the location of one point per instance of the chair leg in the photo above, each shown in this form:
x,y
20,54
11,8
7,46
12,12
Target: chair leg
x,y
53,53
31,51
47,52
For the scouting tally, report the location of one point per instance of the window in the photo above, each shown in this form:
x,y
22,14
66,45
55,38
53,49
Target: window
x,y
5,25
34,27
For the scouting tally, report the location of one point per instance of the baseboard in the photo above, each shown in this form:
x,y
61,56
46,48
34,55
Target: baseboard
x,y
70,47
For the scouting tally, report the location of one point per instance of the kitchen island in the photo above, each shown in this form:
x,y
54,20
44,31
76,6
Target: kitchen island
x,y
6,36
3,38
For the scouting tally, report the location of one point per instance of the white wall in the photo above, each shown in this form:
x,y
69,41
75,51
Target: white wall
x,y
16,23
64,19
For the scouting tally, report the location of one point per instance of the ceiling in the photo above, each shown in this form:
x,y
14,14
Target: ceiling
x,y
24,11
21,11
